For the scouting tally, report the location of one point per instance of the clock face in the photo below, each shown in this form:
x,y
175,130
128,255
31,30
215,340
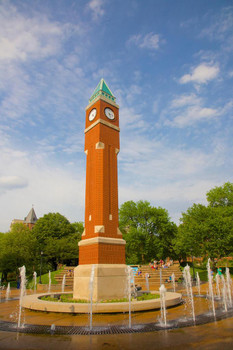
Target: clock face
x,y
109,113
92,114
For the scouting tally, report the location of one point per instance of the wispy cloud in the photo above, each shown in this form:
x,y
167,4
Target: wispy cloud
x,y
201,74
221,25
192,115
24,38
150,41
96,8
189,109
12,183
28,178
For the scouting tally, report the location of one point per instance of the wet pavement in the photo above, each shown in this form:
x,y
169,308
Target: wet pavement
x,y
214,335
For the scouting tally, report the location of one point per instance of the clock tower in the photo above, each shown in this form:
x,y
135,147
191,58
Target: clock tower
x,y
102,247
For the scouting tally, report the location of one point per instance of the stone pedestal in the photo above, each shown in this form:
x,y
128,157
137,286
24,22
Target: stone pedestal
x,y
110,281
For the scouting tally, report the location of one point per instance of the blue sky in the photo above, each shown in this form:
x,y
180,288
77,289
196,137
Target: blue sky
x,y
169,64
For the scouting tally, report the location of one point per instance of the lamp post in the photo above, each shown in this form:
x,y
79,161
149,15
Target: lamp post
x,y
41,254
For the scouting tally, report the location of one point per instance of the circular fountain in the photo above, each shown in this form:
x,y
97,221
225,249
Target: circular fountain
x,y
170,311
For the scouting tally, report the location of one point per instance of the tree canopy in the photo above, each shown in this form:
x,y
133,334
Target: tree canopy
x,y
17,248
58,239
221,196
147,230
53,235
208,230
52,225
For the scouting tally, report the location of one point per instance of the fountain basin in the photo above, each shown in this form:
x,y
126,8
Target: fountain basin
x,y
33,302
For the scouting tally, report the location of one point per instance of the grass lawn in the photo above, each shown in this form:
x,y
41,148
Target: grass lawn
x,y
202,272
44,279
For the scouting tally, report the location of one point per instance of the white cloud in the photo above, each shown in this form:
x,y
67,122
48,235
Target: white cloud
x,y
96,7
189,109
149,41
192,115
221,25
49,187
185,100
129,119
171,177
201,74
23,37
155,160
12,182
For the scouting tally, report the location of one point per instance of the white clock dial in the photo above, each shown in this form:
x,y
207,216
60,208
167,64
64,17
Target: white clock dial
x,y
109,113
92,114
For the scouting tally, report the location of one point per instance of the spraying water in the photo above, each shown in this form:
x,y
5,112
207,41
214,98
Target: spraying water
x,y
161,277
147,282
198,283
210,281
228,286
91,288
52,328
188,285
174,282
63,283
35,280
23,281
130,281
8,291
163,290
217,279
224,293
49,289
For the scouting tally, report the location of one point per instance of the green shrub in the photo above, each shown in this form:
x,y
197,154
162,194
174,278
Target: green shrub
x,y
148,296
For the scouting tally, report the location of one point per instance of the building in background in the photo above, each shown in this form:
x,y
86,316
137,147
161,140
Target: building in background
x,y
28,221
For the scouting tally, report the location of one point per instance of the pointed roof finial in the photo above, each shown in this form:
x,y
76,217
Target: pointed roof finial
x,y
31,217
102,89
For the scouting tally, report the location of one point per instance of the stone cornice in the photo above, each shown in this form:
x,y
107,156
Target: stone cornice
x,y
104,122
105,99
103,240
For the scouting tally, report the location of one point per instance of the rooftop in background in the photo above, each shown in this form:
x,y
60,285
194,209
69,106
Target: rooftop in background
x,y
31,217
102,89
29,220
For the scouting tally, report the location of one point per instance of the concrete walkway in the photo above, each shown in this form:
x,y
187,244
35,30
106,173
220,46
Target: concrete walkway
x,y
216,335
213,336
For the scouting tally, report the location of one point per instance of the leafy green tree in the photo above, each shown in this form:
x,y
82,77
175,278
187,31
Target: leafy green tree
x,y
207,231
17,248
58,239
78,229
64,250
221,196
52,225
147,230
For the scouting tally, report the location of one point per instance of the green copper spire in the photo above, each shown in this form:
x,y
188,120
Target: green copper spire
x,y
102,89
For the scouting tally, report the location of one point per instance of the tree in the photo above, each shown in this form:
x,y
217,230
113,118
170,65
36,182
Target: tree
x,y
52,225
58,239
17,248
221,196
206,230
147,230
78,229
64,250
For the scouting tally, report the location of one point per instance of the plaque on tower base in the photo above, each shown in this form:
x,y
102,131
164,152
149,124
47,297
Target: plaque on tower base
x,y
110,282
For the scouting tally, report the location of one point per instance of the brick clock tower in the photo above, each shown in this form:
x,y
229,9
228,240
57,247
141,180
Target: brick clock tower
x,y
102,248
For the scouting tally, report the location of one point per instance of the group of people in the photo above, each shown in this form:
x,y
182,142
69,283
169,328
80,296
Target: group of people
x,y
160,264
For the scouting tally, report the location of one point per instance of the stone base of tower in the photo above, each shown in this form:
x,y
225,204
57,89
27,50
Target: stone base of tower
x,y
110,281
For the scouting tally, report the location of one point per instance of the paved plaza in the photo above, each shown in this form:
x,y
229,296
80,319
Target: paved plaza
x,y
214,335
